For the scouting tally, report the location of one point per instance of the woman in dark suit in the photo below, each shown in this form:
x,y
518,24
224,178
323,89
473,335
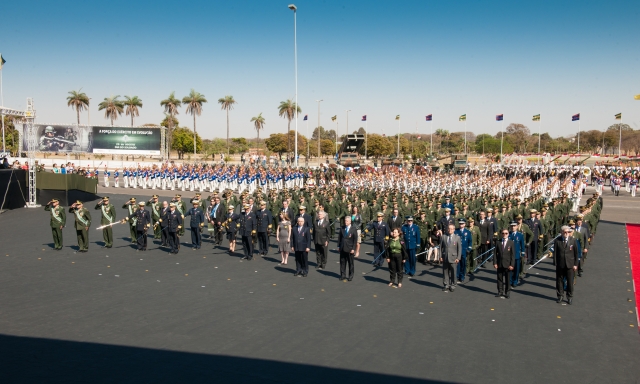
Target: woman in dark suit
x,y
232,227
396,257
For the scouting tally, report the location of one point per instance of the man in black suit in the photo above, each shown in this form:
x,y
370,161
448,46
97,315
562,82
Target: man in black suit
x,y
264,219
217,214
286,208
302,212
163,224
504,262
247,230
584,230
565,258
486,234
300,243
446,220
347,241
395,220
321,235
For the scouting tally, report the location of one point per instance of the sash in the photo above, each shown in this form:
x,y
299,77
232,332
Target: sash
x,y
104,212
179,209
155,211
79,217
56,216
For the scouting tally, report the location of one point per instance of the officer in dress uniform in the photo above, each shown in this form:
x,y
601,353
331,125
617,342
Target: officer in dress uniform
x,y
466,242
448,204
58,221
155,216
143,222
518,251
196,224
248,226
174,224
264,219
107,217
536,228
380,236
83,222
584,231
130,206
181,208
411,235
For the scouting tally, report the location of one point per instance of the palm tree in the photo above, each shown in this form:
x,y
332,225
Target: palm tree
x,y
194,106
78,101
258,124
171,105
227,103
133,104
287,109
112,107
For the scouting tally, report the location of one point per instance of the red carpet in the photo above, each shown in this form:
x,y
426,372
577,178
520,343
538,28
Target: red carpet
x,y
633,232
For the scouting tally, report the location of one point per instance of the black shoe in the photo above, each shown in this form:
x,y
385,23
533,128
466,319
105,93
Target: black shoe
x,y
305,275
350,279
506,296
579,274
499,295
445,289
570,300
559,301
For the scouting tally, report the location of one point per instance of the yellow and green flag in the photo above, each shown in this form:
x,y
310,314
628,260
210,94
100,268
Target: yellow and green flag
x,y
397,117
637,97
536,117
334,118
463,117
619,116
2,61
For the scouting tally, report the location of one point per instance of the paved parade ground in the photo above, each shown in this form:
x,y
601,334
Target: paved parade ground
x,y
119,315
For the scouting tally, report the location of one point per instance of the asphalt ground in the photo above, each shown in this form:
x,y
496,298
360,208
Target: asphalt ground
x,y
203,315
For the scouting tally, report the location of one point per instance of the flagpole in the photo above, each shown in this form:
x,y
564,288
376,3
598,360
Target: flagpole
x,y
308,139
398,155
501,139
465,136
619,140
578,137
539,133
4,149
432,136
366,134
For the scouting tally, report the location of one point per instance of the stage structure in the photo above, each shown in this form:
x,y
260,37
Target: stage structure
x,y
28,116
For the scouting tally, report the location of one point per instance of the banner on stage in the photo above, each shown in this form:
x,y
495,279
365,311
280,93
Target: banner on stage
x,y
95,139
120,140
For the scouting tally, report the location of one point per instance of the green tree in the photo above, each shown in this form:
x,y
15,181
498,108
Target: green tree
x,y
258,124
214,147
183,141
194,103
378,145
277,142
287,109
239,145
227,103
79,101
113,107
133,105
12,136
171,105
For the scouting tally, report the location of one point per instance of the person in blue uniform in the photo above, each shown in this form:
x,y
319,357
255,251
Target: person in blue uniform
x,y
411,234
380,236
300,244
518,250
142,224
264,219
196,223
466,244
449,204
248,226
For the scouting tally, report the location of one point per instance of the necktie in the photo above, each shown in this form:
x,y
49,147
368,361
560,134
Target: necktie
x,y
504,243
449,240
319,223
215,208
299,229
346,232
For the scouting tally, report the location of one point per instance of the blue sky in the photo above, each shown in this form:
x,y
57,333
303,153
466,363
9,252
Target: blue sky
x,y
381,59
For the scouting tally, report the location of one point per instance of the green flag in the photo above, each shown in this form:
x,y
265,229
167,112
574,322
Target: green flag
x,y
463,117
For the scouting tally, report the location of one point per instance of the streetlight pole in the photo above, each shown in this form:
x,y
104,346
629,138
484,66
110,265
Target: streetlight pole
x,y
347,132
295,65
319,138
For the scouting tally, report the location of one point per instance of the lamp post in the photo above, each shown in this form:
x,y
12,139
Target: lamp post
x,y
295,65
319,138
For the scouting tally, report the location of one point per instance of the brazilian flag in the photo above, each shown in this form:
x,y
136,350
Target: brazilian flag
x,y
536,117
619,116
463,117
397,117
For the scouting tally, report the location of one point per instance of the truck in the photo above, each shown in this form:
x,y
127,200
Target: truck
x,y
348,155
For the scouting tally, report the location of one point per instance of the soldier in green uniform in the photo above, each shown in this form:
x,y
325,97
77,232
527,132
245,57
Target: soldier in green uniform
x,y
181,208
58,221
83,222
108,216
131,207
476,240
155,216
